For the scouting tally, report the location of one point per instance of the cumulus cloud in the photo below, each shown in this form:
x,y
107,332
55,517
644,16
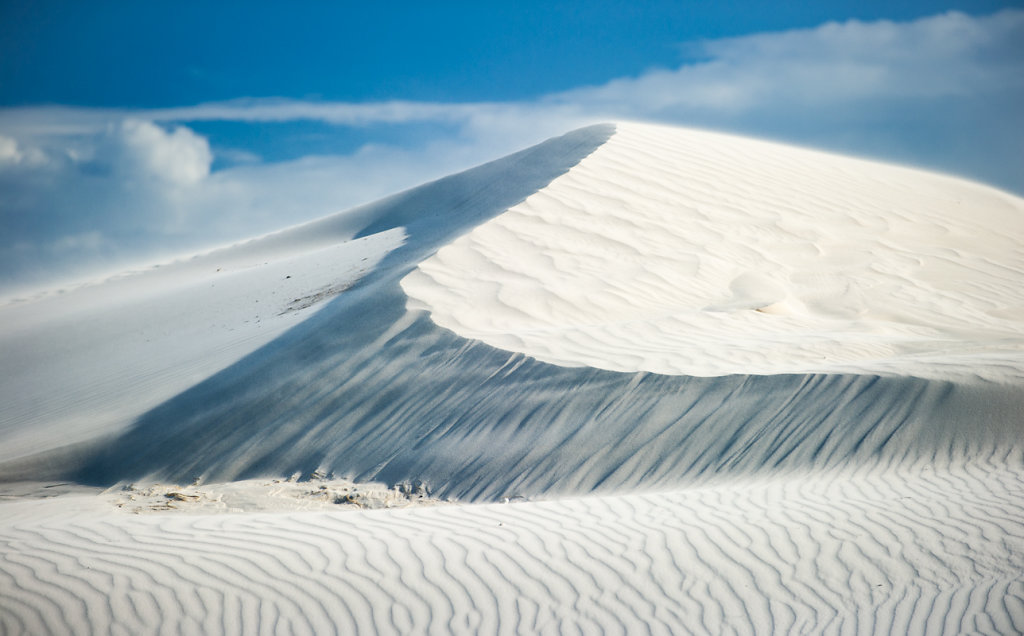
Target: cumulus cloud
x,y
178,156
945,92
95,198
119,194
9,152
12,153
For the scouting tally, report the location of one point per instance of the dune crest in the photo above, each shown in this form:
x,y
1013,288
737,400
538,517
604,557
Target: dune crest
x,y
692,253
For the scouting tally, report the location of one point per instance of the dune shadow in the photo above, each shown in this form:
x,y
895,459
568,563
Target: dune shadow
x,y
371,392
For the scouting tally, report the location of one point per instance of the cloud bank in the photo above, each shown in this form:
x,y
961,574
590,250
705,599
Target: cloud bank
x,y
83,189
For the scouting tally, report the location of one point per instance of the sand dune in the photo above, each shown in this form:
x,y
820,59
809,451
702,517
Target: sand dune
x,y
726,385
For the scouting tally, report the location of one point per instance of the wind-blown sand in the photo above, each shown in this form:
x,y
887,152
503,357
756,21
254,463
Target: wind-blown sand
x,y
679,382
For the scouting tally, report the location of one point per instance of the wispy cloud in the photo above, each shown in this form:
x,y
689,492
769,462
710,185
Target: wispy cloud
x,y
82,186
945,91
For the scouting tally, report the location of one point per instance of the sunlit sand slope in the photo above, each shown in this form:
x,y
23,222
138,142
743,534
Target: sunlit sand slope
x,y
684,252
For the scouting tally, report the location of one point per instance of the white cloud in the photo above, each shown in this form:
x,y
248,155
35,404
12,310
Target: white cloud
x,y
85,241
178,156
342,114
9,152
13,153
834,64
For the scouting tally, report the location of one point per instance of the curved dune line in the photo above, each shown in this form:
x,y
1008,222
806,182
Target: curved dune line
x,y
477,423
910,549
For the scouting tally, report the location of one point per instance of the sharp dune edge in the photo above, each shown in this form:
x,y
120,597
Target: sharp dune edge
x,y
726,385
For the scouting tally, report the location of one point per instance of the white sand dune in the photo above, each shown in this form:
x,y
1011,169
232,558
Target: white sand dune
x,y
729,386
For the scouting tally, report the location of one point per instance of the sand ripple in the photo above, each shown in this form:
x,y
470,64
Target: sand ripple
x,y
918,550
686,252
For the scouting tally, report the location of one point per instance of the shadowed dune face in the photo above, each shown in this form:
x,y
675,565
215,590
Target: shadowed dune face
x,y
371,392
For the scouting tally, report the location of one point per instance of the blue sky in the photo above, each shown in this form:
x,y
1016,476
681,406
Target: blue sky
x,y
130,131
156,54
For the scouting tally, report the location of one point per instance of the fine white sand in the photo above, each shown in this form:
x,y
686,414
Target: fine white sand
x,y
673,381
685,252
